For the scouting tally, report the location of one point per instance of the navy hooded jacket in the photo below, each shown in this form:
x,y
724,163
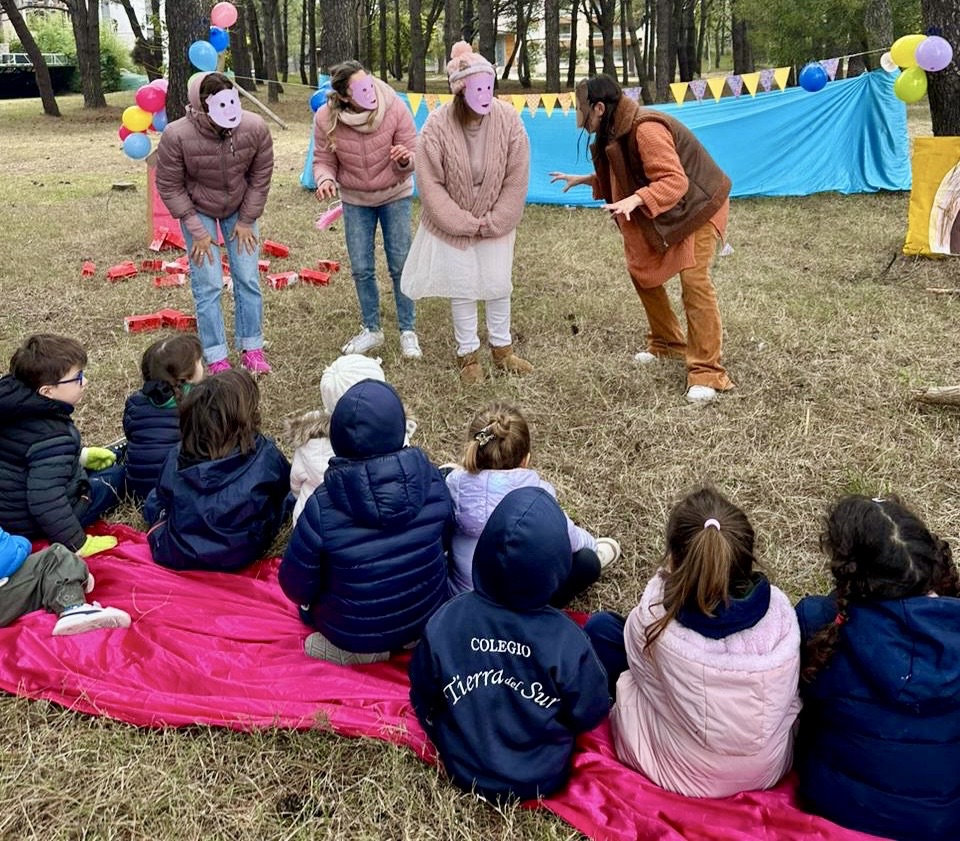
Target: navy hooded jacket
x,y
43,489
367,555
501,681
879,743
218,515
151,424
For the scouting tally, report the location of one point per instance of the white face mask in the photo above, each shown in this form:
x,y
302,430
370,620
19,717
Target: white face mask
x,y
478,92
224,108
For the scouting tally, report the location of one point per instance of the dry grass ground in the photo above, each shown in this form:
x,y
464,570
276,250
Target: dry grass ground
x,y
829,333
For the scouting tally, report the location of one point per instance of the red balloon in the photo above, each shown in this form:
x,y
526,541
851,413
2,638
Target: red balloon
x,y
124,132
150,98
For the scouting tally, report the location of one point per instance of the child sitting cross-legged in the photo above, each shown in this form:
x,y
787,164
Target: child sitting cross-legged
x,y
501,681
367,560
708,662
54,578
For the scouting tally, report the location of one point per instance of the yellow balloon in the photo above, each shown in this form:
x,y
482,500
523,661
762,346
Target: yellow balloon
x,y
903,49
136,119
911,85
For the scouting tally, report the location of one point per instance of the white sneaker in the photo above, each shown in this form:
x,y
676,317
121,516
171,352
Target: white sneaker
x,y
410,345
365,340
701,394
89,617
89,583
608,550
645,358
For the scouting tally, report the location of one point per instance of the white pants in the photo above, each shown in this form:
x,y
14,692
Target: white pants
x,y
465,321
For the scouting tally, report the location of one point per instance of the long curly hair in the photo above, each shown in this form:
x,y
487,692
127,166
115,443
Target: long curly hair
x,y
879,550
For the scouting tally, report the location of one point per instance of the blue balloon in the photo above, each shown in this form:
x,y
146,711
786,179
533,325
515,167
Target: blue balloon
x,y
219,38
813,77
323,80
319,99
203,56
160,120
136,145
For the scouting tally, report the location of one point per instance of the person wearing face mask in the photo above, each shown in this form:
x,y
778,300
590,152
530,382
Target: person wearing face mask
x,y
473,162
364,141
214,168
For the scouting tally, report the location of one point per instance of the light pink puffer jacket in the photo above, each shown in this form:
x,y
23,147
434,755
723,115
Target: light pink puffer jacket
x,y
705,717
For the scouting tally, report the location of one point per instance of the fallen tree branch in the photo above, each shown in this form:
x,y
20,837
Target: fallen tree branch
x,y
948,395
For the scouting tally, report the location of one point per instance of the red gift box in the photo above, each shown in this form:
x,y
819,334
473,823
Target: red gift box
x,y
314,277
165,280
331,266
88,269
122,270
142,323
281,280
275,249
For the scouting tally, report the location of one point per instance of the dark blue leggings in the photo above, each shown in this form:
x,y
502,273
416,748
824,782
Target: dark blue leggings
x,y
584,570
605,630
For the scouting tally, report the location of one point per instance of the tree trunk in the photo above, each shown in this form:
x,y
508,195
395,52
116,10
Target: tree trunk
x,y
270,11
624,55
572,52
687,40
702,35
469,21
240,52
638,61
40,70
943,87
606,12
591,55
666,48
649,41
187,21
256,43
417,72
85,20
947,395
436,7
878,27
142,52
487,31
302,64
742,52
283,37
397,55
551,43
312,71
382,46
453,24
367,19
336,32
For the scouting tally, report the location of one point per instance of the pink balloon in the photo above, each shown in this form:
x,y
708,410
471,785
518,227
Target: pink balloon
x,y
124,133
934,53
223,15
150,98
160,84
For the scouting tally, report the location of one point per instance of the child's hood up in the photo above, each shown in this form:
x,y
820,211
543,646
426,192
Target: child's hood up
x,y
523,554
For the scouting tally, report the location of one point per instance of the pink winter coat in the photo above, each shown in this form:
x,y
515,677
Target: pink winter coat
x,y
201,167
709,717
359,162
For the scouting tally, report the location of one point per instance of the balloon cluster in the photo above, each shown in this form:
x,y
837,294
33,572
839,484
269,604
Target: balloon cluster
x,y
204,54
319,97
147,115
917,55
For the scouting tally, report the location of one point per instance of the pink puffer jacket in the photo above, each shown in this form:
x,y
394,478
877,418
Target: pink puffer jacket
x,y
218,172
709,717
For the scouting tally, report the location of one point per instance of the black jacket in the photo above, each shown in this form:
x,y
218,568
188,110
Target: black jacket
x,y
151,424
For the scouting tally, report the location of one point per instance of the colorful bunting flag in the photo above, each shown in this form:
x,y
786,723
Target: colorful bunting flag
x,y
414,100
735,83
566,102
519,100
633,93
679,91
830,65
432,100
533,103
766,79
780,75
699,88
750,82
446,98
549,102
716,83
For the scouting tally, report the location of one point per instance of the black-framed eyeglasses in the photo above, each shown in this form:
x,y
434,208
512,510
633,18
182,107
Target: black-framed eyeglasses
x,y
79,378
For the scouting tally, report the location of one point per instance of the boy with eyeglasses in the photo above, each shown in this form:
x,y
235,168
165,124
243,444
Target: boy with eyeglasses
x,y
45,487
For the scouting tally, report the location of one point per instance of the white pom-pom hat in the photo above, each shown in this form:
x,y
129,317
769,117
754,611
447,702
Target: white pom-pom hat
x,y
347,371
465,62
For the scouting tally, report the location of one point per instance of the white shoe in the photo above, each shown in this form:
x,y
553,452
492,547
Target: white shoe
x,y
410,345
645,358
89,617
701,394
365,340
89,583
608,550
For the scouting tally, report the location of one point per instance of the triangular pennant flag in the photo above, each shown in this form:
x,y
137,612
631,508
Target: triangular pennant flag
x,y
780,76
766,79
716,83
566,102
750,82
519,100
735,83
414,100
549,102
699,88
533,103
432,101
679,91
505,97
830,65
633,93
446,98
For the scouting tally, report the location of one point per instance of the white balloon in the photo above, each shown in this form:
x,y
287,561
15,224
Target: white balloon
x,y
887,62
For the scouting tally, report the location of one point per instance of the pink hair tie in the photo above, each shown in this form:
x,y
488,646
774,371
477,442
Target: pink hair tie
x,y
711,524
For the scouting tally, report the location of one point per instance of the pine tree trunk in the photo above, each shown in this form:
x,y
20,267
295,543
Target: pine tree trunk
x,y
85,20
943,87
256,43
638,61
551,28
453,25
666,48
40,70
486,29
268,10
187,21
336,32
312,71
417,73
382,55
240,52
572,54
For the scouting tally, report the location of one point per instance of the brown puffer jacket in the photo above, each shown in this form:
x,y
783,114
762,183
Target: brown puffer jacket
x,y
217,172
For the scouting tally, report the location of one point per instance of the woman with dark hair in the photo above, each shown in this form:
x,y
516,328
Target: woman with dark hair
x,y
670,201
879,743
363,145
214,168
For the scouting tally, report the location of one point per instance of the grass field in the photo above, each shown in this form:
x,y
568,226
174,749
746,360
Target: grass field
x,y
829,333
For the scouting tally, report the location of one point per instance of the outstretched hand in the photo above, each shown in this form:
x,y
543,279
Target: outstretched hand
x,y
571,180
625,206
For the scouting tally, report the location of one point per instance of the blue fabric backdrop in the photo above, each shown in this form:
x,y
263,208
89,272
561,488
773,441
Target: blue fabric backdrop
x,y
850,137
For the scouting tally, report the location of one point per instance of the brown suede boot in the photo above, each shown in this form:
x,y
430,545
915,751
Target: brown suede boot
x,y
506,360
470,370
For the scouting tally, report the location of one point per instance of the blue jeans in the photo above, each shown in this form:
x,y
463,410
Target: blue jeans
x,y
106,486
605,630
206,283
360,228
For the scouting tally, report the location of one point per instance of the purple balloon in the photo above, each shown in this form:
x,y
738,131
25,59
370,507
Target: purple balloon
x,y
933,53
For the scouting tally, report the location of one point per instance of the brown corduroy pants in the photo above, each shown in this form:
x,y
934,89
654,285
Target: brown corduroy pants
x,y
704,340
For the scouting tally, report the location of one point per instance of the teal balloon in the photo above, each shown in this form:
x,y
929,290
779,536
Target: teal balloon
x,y
136,145
219,38
203,56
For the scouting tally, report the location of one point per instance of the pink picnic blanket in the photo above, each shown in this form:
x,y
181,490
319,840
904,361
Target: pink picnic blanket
x,y
227,650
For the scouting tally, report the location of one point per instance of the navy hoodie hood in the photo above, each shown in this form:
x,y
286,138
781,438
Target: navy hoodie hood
x,y
523,554
368,420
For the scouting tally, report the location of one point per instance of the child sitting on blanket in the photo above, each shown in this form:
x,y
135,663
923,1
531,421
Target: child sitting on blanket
x,y
367,560
50,486
54,578
151,421
496,460
220,499
879,743
501,681
708,662
310,433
